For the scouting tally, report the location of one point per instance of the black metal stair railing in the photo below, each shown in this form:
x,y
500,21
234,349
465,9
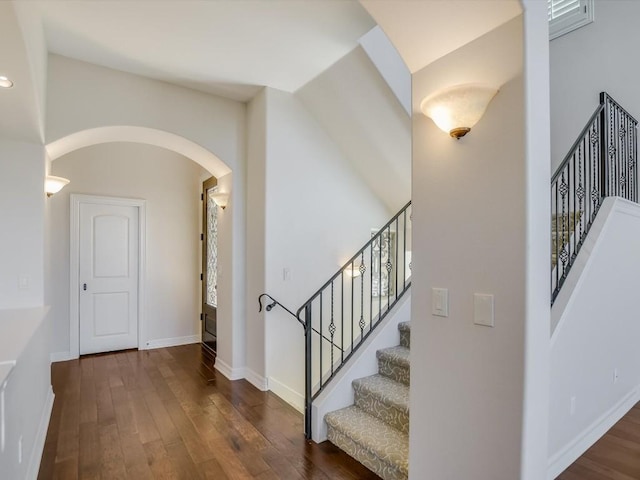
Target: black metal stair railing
x,y
601,163
339,317
349,306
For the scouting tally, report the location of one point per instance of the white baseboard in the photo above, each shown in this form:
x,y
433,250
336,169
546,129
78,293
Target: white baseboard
x,y
252,377
227,371
171,342
62,357
256,380
569,454
290,396
151,344
41,436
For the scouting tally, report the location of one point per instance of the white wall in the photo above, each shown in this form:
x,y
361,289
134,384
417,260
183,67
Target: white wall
x,y
27,393
537,284
83,96
21,223
318,212
357,108
597,336
597,57
389,63
256,232
470,235
171,185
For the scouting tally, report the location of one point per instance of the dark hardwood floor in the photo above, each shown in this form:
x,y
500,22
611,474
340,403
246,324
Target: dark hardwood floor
x,y
149,415
616,456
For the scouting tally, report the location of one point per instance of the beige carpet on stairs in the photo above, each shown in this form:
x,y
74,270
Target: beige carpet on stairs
x,y
375,430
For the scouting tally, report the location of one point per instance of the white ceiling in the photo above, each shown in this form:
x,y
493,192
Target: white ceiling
x,y
20,115
425,30
225,47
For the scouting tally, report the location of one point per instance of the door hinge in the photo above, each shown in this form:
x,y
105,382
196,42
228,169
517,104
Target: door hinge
x,y
201,277
202,317
202,237
202,196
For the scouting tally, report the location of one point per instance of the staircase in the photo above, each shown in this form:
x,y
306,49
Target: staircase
x,y
375,430
563,226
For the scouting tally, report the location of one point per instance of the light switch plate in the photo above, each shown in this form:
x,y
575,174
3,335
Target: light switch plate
x,y
440,302
23,282
483,309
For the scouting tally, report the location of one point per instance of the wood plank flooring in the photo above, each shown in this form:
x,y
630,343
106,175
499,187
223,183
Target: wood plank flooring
x,y
616,456
149,415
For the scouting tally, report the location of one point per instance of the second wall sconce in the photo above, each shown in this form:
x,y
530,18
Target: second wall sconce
x,y
457,109
54,184
220,198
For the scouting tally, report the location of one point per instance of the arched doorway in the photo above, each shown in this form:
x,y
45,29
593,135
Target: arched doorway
x,y
173,276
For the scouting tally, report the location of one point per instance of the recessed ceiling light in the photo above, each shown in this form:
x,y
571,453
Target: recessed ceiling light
x,y
5,82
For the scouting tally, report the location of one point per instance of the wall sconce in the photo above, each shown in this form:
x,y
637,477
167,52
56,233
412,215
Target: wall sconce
x,y
352,271
220,198
54,184
457,109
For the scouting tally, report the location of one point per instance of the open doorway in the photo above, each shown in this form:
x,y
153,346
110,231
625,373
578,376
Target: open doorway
x,y
209,275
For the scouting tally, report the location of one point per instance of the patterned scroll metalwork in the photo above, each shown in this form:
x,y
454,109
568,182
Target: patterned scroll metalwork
x,y
212,250
601,163
340,316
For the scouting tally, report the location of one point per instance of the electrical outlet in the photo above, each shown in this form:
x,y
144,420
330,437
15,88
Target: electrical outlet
x,y
572,406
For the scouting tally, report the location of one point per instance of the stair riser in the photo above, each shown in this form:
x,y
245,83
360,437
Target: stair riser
x,y
405,339
377,407
392,370
365,457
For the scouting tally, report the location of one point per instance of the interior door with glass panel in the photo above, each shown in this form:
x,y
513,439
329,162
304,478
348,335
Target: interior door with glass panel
x,y
210,267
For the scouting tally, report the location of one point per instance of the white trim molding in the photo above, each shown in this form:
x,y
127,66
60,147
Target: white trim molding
x,y
570,453
74,256
170,342
258,381
62,357
565,16
228,372
293,398
41,435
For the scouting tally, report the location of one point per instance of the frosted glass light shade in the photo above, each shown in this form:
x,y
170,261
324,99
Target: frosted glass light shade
x,y
220,198
54,184
457,109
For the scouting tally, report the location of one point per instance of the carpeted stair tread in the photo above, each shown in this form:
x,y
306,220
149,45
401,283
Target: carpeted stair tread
x,y
385,399
405,334
391,392
404,326
387,444
398,355
394,363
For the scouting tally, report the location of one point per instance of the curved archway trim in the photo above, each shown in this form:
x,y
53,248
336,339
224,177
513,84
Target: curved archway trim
x,y
151,136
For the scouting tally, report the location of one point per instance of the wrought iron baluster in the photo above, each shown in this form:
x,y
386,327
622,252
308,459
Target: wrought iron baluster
x,y
404,251
352,303
363,269
320,340
397,244
580,190
371,269
343,317
332,328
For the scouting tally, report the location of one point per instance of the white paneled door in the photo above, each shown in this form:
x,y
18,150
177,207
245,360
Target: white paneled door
x,y
108,277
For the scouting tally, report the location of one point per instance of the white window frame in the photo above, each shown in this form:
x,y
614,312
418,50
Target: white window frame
x,y
570,21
